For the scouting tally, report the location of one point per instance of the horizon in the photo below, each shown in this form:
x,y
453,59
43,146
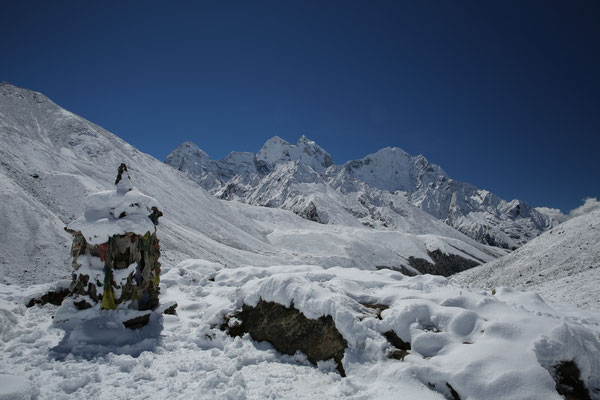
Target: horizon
x,y
501,96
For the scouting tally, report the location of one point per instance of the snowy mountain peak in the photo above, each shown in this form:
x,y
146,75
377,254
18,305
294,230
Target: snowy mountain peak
x,y
34,98
391,169
303,139
188,157
360,190
277,150
191,148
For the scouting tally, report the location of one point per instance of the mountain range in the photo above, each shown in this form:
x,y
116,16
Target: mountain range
x,y
387,190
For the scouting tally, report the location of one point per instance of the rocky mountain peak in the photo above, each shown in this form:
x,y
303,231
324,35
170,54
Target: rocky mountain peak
x,y
8,89
377,190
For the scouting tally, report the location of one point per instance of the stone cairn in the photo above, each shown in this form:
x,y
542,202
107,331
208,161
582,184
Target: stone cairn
x,y
115,249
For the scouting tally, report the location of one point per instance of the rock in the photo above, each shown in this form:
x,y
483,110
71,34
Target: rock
x,y
82,305
288,330
171,310
400,347
568,381
137,322
52,297
444,264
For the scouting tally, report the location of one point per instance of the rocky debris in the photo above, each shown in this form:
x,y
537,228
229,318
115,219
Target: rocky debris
x,y
288,330
444,264
55,297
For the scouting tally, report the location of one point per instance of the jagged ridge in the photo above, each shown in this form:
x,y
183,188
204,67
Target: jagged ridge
x,y
382,190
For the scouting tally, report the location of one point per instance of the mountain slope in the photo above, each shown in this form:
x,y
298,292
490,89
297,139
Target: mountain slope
x,y
379,190
563,264
50,159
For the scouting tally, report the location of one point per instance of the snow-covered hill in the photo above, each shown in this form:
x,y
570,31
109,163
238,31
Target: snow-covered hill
x,y
382,190
563,265
50,159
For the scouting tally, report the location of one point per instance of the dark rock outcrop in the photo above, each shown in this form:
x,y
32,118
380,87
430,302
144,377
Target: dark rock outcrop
x,y
400,347
52,297
137,322
568,381
288,330
444,264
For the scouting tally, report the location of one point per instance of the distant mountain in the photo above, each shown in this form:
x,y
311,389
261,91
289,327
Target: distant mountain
x,y
385,190
563,265
51,159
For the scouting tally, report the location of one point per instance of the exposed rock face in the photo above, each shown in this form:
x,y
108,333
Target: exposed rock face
x,y
444,264
288,330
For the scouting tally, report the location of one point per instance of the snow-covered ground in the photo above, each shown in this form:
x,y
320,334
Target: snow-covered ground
x,y
562,265
481,345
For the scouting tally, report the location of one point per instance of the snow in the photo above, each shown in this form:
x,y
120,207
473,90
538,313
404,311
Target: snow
x,y
217,256
277,150
381,190
93,332
115,212
15,388
483,345
562,265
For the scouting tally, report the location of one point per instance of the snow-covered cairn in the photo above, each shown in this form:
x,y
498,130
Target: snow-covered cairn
x,y
115,249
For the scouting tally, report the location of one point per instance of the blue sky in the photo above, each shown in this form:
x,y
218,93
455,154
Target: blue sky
x,y
504,95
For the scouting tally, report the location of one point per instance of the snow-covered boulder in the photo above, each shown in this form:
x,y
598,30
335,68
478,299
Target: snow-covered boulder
x,y
399,329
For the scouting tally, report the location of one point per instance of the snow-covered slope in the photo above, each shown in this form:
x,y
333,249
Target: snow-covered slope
x,y
51,159
563,265
380,190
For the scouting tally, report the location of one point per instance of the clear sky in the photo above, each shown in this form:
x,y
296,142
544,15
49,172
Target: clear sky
x,y
501,94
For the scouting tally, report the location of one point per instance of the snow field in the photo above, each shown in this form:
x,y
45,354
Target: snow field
x,y
484,346
562,265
